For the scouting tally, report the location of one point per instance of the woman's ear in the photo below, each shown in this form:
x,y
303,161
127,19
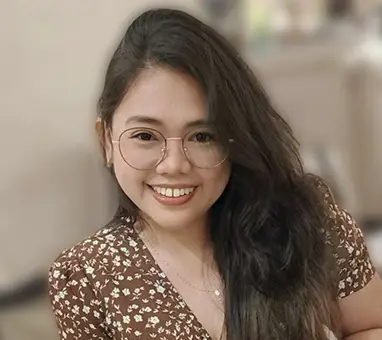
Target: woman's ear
x,y
105,141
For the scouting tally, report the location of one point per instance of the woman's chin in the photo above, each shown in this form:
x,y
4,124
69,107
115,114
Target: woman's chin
x,y
172,221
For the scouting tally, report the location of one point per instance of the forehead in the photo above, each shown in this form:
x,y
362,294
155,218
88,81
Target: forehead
x,y
164,95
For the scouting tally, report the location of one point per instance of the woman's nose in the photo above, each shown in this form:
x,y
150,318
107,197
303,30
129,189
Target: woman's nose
x,y
174,160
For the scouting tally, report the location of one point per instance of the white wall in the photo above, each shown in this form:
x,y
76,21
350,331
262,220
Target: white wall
x,y
330,94
53,190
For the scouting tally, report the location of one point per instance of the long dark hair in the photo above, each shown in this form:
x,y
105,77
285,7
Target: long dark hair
x,y
268,227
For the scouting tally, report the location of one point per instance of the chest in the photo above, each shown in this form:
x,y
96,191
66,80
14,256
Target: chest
x,y
142,302
150,309
206,306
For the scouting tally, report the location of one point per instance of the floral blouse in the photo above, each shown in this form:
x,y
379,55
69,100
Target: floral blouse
x,y
110,287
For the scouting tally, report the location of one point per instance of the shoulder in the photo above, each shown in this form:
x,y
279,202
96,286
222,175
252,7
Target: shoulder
x,y
94,257
346,240
81,276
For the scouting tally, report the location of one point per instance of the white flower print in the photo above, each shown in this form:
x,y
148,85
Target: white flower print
x,y
109,284
115,292
126,291
138,318
89,270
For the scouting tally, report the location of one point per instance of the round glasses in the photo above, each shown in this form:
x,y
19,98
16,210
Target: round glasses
x,y
145,149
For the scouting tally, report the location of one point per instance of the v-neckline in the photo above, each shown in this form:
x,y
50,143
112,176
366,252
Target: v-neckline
x,y
173,289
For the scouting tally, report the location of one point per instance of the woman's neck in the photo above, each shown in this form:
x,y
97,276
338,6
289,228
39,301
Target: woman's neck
x,y
191,241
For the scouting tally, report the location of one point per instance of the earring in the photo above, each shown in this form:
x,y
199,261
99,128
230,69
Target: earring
x,y
109,163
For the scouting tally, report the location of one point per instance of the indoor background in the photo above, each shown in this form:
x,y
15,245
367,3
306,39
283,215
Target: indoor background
x,y
320,61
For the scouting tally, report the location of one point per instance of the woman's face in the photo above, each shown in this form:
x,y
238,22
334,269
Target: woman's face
x,y
174,193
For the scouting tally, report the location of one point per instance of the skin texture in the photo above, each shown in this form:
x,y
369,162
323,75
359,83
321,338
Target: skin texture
x,y
175,101
362,312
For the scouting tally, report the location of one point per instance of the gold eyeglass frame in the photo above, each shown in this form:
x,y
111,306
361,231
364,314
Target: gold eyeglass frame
x,y
164,150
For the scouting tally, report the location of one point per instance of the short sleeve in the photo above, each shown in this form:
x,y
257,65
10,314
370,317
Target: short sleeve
x,y
78,313
354,265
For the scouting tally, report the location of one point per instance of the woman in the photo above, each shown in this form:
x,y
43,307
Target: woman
x,y
220,233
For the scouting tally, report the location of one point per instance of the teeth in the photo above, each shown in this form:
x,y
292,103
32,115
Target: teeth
x,y
168,192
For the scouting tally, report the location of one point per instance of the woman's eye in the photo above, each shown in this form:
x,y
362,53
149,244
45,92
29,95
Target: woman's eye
x,y
144,136
203,137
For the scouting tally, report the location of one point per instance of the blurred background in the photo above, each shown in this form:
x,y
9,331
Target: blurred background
x,y
319,60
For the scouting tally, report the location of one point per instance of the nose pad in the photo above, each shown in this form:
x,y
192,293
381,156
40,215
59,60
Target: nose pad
x,y
163,153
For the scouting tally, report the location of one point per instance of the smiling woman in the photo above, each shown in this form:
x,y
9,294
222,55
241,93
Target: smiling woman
x,y
172,145
220,233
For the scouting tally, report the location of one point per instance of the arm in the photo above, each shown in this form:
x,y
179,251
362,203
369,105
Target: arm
x,y
362,312
374,334
78,312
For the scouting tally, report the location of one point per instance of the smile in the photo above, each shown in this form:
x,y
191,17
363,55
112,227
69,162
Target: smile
x,y
173,196
173,192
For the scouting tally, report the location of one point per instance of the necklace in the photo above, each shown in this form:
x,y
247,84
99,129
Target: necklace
x,y
216,291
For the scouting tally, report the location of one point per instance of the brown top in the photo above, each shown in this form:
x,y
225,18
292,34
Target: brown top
x,y
110,287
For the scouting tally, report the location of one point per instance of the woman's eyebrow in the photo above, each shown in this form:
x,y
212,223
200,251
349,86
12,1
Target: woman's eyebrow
x,y
142,119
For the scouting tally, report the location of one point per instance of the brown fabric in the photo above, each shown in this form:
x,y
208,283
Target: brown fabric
x,y
109,285
349,248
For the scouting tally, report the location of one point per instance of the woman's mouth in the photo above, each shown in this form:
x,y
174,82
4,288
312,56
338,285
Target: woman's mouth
x,y
173,196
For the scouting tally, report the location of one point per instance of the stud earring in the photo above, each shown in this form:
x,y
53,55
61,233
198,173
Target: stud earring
x,y
109,163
